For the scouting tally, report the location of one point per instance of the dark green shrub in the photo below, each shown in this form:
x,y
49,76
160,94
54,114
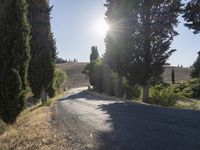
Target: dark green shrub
x,y
131,92
163,96
13,101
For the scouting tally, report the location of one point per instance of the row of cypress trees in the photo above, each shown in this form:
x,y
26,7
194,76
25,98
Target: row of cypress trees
x,y
27,54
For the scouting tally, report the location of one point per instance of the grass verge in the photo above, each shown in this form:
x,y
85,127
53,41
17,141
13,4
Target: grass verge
x,y
188,104
34,129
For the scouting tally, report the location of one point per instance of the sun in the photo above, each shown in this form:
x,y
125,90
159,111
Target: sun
x,y
101,27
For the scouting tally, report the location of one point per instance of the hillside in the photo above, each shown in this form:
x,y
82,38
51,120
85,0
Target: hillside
x,y
181,74
77,79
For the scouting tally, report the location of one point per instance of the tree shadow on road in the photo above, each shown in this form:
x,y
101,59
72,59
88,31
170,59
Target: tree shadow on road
x,y
83,95
145,127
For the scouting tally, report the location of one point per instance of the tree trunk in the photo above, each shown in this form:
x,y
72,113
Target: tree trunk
x,y
43,96
145,94
119,86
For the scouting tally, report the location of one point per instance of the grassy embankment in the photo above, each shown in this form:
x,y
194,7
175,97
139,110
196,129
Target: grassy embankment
x,y
34,129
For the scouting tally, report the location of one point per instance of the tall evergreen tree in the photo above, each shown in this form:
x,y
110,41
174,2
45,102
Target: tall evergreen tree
x,y
192,18
43,49
118,38
14,57
192,15
153,32
195,73
89,69
173,76
94,54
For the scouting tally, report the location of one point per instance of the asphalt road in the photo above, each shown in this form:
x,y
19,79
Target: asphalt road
x,y
93,122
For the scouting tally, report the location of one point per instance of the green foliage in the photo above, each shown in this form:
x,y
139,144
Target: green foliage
x,y
195,73
173,76
14,57
98,82
152,39
12,98
43,49
131,92
89,70
167,95
189,89
117,40
59,78
94,54
164,96
138,43
191,15
104,80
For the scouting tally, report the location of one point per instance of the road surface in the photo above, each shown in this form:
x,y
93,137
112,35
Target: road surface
x,y
94,122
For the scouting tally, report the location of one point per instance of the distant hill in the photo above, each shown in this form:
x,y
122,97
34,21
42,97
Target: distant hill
x,y
77,79
181,74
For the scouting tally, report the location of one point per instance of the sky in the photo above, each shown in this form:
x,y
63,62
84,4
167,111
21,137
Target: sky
x,y
75,27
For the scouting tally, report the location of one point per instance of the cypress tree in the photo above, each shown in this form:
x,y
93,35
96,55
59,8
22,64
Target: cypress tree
x,y
192,18
90,68
195,73
43,49
14,57
118,38
153,32
173,76
94,54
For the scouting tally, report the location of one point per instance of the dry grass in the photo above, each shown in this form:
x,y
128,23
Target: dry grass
x,y
75,78
188,104
34,129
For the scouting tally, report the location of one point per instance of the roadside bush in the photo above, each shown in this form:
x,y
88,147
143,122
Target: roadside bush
x,y
188,89
59,79
131,92
164,96
104,80
195,86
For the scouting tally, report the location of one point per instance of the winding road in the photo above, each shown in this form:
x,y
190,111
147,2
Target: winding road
x,y
99,123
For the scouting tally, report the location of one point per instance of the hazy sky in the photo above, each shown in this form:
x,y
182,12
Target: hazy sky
x,y
74,23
